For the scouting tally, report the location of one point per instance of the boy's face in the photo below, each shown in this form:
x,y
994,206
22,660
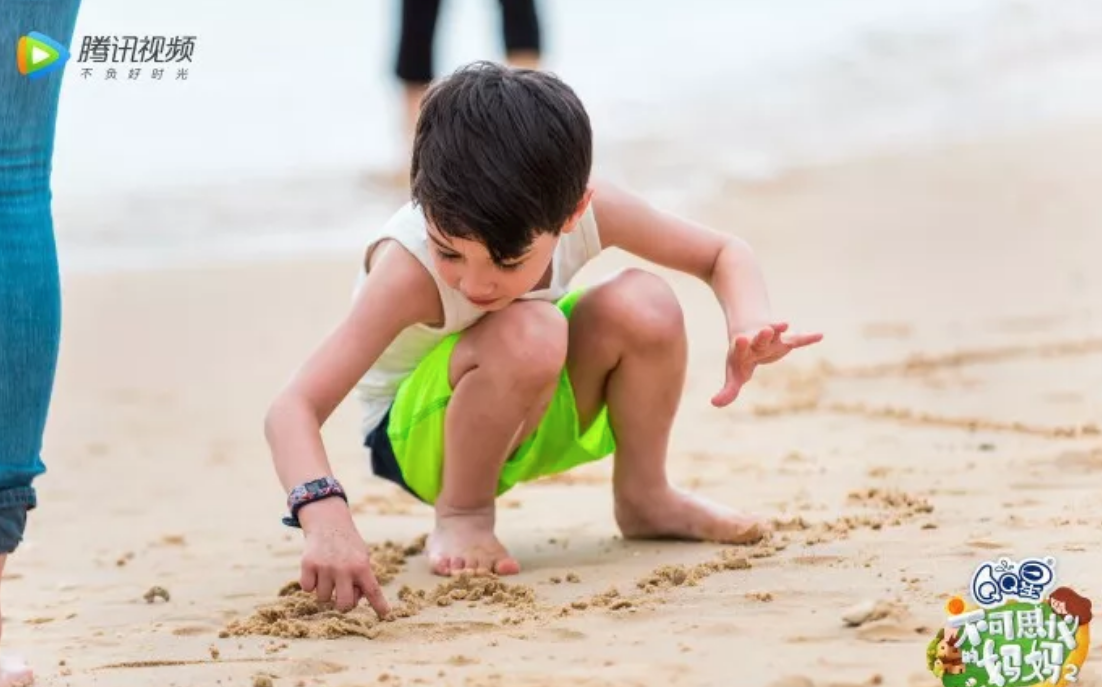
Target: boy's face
x,y
467,267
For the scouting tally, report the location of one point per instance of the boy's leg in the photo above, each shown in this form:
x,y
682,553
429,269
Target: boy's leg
x,y
628,348
503,371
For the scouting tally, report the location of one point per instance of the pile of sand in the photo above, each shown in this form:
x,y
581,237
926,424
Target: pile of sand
x,y
898,503
300,614
668,576
664,578
520,600
389,559
890,508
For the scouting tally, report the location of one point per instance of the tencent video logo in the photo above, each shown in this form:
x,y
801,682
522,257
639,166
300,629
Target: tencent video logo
x,y
37,55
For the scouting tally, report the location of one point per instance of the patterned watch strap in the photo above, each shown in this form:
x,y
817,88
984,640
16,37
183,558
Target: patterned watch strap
x,y
316,490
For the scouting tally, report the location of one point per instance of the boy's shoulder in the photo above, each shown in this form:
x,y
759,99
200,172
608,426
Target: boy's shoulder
x,y
407,227
397,261
407,221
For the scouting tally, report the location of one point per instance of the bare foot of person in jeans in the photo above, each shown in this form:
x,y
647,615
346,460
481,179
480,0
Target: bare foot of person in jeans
x,y
13,671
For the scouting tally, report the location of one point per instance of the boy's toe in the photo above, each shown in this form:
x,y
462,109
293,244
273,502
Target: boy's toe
x,y
481,566
506,566
441,566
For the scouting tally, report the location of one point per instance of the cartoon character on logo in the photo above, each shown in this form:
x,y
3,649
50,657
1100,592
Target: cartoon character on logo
x,y
1064,602
1014,631
948,656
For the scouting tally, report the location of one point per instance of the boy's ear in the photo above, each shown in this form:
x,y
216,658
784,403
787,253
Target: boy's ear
x,y
572,222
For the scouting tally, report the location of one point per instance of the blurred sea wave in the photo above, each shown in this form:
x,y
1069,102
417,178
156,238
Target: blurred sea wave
x,y
269,146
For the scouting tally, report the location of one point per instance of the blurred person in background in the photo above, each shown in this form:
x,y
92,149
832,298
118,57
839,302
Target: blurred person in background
x,y
30,288
520,29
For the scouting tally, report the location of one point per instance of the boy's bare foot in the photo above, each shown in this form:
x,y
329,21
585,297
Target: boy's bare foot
x,y
15,673
674,514
466,543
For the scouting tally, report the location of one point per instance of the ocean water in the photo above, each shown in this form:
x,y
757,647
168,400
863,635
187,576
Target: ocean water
x,y
267,147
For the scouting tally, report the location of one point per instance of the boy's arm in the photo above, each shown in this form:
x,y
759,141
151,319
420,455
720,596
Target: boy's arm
x,y
397,293
724,262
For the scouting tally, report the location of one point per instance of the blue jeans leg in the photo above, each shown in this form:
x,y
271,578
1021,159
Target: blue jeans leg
x,y
30,292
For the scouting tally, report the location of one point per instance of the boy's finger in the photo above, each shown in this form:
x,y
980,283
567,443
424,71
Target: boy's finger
x,y
725,396
729,378
730,390
325,586
346,594
742,345
370,588
798,340
309,577
764,338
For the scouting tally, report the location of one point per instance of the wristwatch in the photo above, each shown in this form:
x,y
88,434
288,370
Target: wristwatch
x,y
316,490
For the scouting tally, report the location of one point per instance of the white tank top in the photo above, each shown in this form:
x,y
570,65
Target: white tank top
x,y
377,388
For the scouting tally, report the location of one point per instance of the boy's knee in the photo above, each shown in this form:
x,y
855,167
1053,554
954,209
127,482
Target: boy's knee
x,y
531,339
644,309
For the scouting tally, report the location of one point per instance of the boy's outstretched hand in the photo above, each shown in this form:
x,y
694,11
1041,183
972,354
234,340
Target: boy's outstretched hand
x,y
757,347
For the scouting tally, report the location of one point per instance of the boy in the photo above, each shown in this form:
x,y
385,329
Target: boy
x,y
479,369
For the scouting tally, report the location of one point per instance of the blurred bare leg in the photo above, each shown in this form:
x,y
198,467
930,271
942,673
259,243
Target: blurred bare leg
x,y
13,672
524,59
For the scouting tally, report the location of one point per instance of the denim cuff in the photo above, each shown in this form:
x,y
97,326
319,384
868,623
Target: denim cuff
x,y
14,505
13,522
18,496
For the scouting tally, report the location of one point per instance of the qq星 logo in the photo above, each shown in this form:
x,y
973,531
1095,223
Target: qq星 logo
x,y
1027,581
36,55
1020,629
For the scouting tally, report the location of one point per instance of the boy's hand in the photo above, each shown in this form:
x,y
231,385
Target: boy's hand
x,y
757,347
336,562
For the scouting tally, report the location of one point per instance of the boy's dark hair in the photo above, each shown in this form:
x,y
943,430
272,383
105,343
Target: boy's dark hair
x,y
500,156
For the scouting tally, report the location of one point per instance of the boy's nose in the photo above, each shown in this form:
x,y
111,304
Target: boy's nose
x,y
477,291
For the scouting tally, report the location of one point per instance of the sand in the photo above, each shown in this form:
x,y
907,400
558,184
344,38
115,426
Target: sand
x,y
951,415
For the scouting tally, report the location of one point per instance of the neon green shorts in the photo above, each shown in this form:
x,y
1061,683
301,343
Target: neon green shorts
x,y
408,446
